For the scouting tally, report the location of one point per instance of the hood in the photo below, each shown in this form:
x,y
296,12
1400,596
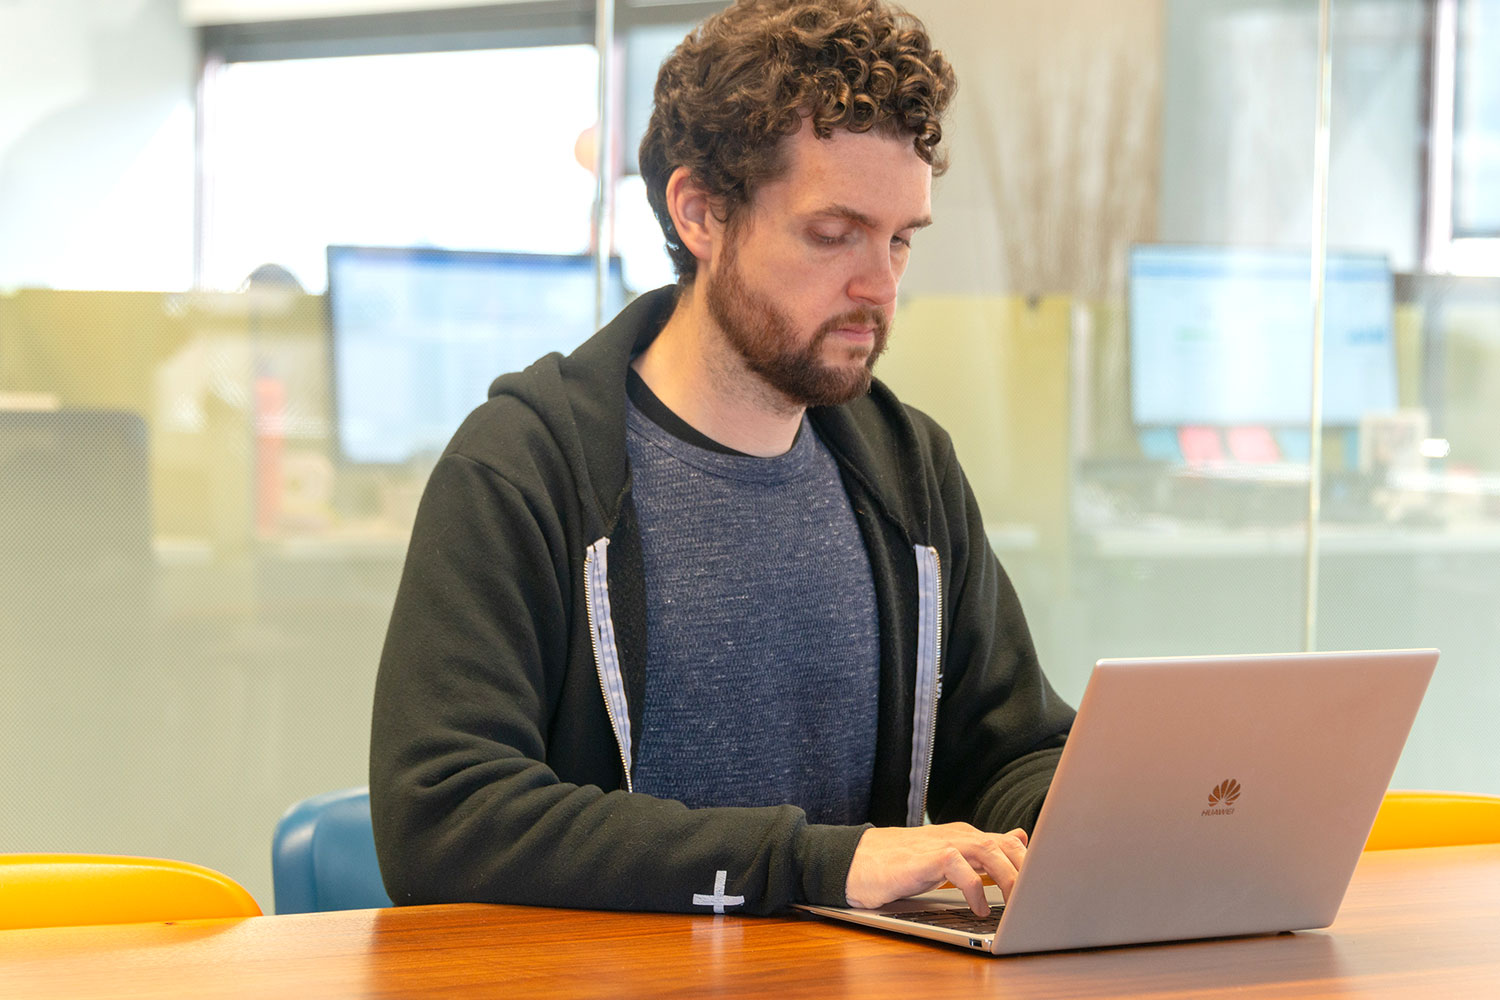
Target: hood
x,y
579,395
576,395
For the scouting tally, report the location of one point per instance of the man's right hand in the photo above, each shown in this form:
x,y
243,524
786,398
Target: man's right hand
x,y
891,862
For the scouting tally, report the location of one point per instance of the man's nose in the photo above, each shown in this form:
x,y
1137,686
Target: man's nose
x,y
876,280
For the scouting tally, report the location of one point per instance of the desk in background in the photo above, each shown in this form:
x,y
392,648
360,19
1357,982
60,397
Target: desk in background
x,y
1422,923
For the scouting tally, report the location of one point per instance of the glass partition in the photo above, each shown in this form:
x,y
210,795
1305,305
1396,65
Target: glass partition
x,y
1113,316
1411,553
205,494
1134,250
1123,260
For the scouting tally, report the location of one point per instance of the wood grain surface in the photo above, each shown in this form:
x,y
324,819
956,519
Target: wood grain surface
x,y
1415,923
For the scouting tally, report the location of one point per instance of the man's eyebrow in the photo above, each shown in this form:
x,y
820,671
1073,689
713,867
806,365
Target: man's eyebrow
x,y
861,219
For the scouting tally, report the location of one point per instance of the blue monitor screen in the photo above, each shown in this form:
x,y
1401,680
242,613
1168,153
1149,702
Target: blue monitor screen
x,y
1223,336
418,335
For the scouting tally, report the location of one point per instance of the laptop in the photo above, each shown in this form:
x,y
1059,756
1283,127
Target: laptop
x,y
1197,797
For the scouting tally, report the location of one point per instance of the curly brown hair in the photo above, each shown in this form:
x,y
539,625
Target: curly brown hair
x,y
748,76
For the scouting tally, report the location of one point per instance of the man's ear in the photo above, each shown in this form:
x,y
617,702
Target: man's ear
x,y
692,214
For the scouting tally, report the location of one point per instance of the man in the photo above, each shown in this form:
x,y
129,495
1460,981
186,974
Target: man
x,y
688,611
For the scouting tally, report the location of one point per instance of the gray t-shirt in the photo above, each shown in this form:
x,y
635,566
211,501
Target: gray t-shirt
x,y
762,635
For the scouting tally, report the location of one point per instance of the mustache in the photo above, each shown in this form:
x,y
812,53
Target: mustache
x,y
858,316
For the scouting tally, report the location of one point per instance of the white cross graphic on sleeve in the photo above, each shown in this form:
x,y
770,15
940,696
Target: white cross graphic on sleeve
x,y
718,900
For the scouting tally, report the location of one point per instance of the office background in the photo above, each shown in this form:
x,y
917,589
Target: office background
x,y
201,528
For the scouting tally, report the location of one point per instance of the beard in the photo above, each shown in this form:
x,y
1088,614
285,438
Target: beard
x,y
764,338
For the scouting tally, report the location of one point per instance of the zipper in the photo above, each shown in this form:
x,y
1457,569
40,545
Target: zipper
x,y
606,653
929,687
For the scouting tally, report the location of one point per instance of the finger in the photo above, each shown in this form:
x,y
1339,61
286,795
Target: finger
x,y
1020,835
1001,857
1013,846
956,869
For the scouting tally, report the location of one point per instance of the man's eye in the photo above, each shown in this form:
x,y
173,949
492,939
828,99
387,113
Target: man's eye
x,y
902,242
826,240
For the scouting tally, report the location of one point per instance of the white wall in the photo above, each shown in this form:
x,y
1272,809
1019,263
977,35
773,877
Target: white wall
x,y
96,144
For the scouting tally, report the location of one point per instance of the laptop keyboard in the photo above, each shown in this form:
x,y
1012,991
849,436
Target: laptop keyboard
x,y
957,918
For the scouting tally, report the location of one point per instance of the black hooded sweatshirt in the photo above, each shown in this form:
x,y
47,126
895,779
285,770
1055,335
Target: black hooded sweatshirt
x,y
513,673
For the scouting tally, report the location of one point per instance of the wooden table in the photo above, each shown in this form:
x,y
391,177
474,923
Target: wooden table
x,y
1414,924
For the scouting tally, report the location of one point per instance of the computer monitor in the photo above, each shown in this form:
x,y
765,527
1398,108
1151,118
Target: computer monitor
x,y
1222,337
418,334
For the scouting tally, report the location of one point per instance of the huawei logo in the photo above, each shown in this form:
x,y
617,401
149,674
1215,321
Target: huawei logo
x,y
1224,792
1221,800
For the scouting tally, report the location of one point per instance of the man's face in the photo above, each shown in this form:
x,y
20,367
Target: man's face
x,y
803,285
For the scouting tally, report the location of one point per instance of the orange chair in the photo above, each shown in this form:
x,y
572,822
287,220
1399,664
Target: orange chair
x,y
59,890
1435,819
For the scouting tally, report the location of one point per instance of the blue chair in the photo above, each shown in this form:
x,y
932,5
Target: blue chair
x,y
323,855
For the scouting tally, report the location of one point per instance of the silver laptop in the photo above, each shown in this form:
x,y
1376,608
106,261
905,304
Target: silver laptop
x,y
1197,797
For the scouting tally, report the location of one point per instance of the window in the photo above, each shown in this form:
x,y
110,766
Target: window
x,y
450,149
1463,230
463,128
1476,121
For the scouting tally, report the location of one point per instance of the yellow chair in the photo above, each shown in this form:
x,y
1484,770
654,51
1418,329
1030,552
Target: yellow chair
x,y
1435,819
59,890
